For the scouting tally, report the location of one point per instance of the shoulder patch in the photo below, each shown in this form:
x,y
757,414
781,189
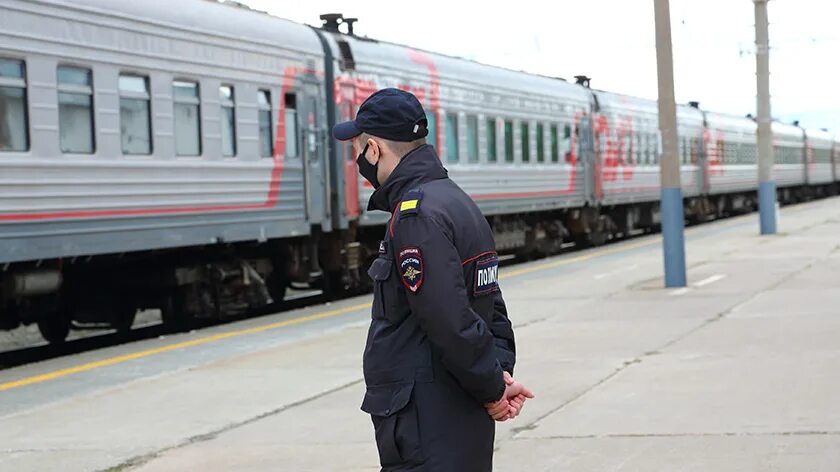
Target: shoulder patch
x,y
486,275
410,262
410,204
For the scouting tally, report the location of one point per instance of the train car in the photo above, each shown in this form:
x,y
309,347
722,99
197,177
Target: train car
x,y
732,161
134,128
628,148
819,170
788,160
628,143
507,138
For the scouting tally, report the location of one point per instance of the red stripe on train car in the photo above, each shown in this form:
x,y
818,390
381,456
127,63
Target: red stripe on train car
x,y
272,197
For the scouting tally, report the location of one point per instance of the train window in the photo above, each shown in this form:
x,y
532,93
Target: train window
x,y
187,123
135,116
627,148
641,150
290,103
431,119
492,155
567,142
752,153
472,139
14,134
452,137
555,144
821,155
75,110
264,118
226,99
508,141
698,146
526,142
540,143
637,149
655,149
691,154
730,152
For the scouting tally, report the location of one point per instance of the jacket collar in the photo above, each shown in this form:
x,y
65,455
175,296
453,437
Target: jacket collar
x,y
419,166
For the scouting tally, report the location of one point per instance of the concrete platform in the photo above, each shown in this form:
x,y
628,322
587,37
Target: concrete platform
x,y
740,371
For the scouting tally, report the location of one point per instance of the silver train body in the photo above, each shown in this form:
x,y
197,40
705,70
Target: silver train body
x,y
180,158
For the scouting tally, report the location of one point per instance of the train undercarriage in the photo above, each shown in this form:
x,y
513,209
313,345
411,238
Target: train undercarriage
x,y
224,281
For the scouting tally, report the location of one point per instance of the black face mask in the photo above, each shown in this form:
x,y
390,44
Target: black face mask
x,y
366,169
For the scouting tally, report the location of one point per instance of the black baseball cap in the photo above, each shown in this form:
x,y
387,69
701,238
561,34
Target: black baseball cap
x,y
390,113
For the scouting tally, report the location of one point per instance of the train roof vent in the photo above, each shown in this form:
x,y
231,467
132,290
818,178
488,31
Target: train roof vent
x,y
347,61
694,105
349,22
795,122
582,80
331,21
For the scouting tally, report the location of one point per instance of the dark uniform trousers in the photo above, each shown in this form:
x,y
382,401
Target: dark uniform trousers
x,y
439,337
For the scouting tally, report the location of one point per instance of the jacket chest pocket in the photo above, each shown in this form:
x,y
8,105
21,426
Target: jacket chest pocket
x,y
385,290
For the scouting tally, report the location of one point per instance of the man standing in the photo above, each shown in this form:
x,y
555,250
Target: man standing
x,y
440,352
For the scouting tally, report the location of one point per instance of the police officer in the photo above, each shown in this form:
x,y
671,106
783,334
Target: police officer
x,y
440,351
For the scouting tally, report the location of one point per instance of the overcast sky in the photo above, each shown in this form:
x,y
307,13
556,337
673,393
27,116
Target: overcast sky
x,y
613,42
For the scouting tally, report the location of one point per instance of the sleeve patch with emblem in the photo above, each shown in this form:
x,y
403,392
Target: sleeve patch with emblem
x,y
410,262
486,275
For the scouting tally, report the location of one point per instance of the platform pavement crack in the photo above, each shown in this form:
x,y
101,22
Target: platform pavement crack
x,y
638,359
732,308
143,459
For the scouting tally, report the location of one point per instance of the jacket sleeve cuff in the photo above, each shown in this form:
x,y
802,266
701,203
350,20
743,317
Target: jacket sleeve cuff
x,y
500,390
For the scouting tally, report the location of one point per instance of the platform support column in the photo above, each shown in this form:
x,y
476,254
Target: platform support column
x,y
673,241
766,184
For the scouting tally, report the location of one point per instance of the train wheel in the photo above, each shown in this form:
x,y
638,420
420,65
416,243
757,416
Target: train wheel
x,y
55,326
597,235
332,284
277,284
175,318
123,318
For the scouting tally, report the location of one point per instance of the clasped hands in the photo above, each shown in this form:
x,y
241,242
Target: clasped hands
x,y
512,401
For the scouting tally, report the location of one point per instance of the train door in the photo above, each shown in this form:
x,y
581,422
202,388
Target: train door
x,y
704,160
703,143
588,153
808,158
313,143
351,177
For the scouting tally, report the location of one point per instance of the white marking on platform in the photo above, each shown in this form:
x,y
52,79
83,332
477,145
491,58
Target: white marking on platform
x,y
680,291
710,280
614,272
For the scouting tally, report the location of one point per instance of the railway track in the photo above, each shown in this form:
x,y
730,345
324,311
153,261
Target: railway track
x,y
25,345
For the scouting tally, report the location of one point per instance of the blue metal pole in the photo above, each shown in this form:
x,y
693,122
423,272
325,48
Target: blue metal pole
x,y
673,241
767,207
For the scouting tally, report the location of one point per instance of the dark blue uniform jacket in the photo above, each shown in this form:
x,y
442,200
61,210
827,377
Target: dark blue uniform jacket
x,y
439,336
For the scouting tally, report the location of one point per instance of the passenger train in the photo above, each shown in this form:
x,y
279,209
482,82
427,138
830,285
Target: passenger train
x,y
181,158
